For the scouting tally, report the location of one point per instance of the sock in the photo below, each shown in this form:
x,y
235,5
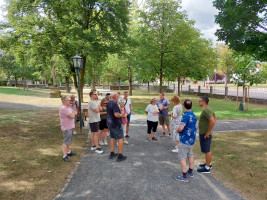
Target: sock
x,y
190,170
93,146
207,168
184,175
69,152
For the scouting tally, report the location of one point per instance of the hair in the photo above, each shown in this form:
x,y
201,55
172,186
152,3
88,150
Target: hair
x,y
72,95
103,101
188,104
205,99
108,94
92,92
118,93
113,95
64,98
153,100
162,93
175,100
125,92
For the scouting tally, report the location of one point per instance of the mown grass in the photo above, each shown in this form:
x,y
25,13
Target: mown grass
x,y
224,109
239,161
31,164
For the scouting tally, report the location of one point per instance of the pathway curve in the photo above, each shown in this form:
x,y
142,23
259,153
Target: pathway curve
x,y
148,173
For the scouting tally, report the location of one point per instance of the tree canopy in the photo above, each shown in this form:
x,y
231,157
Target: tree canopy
x,y
243,26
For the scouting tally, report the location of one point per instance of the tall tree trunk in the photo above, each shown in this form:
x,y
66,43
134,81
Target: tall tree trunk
x,y
54,73
130,80
161,73
16,80
67,79
98,81
226,78
179,86
93,80
119,83
148,89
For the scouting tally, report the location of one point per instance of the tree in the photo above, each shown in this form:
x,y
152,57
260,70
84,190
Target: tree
x,y
225,60
243,26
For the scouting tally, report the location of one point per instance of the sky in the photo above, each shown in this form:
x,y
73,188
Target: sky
x,y
201,11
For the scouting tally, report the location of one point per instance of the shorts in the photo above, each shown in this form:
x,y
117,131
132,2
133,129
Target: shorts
x,y
205,143
185,151
67,136
151,126
164,120
128,118
103,124
116,132
94,126
124,129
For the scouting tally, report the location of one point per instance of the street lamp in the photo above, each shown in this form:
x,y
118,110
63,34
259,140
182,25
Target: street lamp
x,y
78,64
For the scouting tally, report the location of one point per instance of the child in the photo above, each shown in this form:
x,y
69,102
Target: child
x,y
124,119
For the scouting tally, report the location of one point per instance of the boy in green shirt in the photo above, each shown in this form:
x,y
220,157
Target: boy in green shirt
x,y
206,123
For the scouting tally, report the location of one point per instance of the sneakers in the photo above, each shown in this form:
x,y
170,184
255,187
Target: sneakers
x,y
113,155
155,139
127,136
121,158
105,142
170,136
98,150
203,165
175,150
162,135
66,159
191,174
203,170
93,148
125,142
149,139
181,178
75,132
71,154
101,143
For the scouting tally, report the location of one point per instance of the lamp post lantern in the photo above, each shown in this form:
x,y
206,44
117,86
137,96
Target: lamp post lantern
x,y
78,64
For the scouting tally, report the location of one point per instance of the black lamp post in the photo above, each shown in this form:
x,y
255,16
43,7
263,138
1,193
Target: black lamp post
x,y
78,64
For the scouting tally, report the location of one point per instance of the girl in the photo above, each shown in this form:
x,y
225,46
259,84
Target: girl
x,y
124,119
103,123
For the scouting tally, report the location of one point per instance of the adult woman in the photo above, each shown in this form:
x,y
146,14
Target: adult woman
x,y
176,116
103,123
152,119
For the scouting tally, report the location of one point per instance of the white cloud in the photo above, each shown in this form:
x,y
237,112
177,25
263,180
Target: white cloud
x,y
203,13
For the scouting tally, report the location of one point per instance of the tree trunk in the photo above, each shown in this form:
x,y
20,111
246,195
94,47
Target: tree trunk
x,y
16,81
67,79
160,73
179,88
119,83
74,77
226,78
148,87
93,80
98,81
54,73
130,80
82,77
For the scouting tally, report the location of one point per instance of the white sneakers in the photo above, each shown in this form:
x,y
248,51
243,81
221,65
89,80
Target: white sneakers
x,y
93,148
175,150
105,142
101,143
98,150
125,142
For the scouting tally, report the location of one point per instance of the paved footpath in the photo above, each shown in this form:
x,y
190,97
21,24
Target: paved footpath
x,y
148,172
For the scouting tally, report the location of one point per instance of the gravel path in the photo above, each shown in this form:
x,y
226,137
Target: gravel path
x,y
148,173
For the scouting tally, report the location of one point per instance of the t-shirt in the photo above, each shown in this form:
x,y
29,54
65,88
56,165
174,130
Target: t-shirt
x,y
204,122
123,119
112,107
92,115
188,135
177,112
74,105
127,105
152,113
66,122
163,103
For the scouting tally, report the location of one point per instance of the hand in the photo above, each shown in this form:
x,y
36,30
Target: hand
x,y
207,135
160,108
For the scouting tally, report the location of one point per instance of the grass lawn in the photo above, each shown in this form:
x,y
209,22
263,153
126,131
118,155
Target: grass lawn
x,y
240,161
224,109
31,165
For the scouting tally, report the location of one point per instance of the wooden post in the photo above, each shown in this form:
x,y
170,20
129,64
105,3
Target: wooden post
x,y
211,90
189,88
237,97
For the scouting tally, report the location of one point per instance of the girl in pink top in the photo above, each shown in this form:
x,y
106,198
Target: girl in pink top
x,y
124,119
